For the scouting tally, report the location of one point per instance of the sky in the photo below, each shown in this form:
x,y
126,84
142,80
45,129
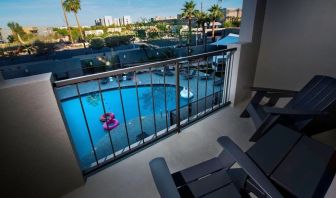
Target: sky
x,y
49,13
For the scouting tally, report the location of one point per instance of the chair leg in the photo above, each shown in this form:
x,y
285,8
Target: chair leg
x,y
255,100
268,122
245,114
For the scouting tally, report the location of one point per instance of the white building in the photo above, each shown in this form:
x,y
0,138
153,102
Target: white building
x,y
125,20
108,20
105,21
94,32
116,22
112,30
99,22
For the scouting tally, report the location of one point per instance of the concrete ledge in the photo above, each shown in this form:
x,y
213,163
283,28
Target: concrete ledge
x,y
37,158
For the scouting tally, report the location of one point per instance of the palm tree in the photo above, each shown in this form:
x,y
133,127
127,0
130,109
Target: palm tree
x,y
188,12
17,31
215,14
67,22
201,19
74,6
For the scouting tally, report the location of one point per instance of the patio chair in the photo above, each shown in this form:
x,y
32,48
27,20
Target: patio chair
x,y
283,163
104,81
219,82
311,110
190,75
165,72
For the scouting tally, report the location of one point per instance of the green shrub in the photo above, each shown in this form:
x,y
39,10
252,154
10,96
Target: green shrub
x,y
153,35
97,43
236,23
113,41
141,34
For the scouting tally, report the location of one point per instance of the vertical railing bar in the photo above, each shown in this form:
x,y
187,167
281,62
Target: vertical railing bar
x,y
104,109
213,85
226,78
123,110
177,84
230,74
165,96
139,111
153,102
206,84
87,124
197,85
188,88
222,76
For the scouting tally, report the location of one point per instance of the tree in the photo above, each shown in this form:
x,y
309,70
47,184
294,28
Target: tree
x,y
74,6
97,43
10,38
188,12
17,31
201,19
215,14
67,23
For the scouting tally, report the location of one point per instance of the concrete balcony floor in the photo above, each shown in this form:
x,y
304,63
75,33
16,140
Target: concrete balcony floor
x,y
131,177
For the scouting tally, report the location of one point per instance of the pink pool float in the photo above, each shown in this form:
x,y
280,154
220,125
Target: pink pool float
x,y
109,121
106,116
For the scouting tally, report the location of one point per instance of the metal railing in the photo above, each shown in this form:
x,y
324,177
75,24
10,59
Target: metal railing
x,y
148,101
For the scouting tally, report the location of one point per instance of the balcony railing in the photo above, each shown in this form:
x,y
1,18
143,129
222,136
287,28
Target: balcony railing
x,y
148,102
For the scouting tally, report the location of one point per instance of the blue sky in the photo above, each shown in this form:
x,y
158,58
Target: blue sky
x,y
49,13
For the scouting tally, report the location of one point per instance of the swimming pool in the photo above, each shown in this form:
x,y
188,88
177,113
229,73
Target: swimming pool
x,y
106,143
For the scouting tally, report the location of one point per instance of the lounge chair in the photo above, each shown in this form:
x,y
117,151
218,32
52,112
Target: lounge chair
x,y
165,72
104,81
219,82
128,76
205,76
283,163
311,110
190,75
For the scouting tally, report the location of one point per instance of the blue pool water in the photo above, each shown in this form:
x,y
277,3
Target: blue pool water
x,y
93,109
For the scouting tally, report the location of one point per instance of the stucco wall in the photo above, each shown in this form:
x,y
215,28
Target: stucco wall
x,y
298,41
245,59
37,159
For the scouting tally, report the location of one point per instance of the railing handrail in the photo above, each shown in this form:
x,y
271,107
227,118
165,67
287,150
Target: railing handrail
x,y
97,76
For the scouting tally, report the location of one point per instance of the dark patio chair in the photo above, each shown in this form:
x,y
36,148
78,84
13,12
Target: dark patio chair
x,y
219,82
104,81
311,110
165,72
205,77
283,163
190,75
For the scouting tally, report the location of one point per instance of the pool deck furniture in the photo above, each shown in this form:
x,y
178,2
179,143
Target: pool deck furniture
x,y
283,163
311,110
190,75
166,72
219,82
104,81
205,77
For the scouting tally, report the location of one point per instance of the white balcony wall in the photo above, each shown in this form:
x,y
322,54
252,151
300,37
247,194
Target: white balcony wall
x,y
37,159
298,41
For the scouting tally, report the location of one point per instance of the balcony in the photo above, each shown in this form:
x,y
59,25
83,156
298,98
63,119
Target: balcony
x,y
40,158
112,114
132,178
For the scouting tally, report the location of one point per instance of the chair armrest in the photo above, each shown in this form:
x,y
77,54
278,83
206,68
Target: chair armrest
x,y
263,89
288,111
163,179
248,166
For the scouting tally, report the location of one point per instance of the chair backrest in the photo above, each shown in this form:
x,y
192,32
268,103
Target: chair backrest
x,y
319,94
